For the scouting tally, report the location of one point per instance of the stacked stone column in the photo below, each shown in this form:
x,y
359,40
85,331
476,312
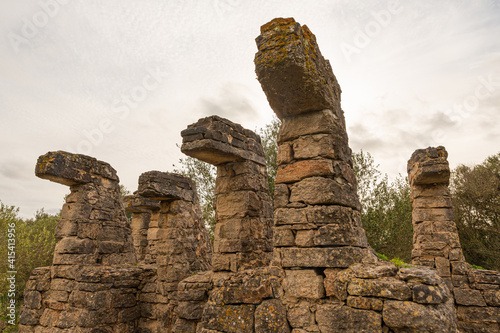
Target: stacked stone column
x,y
317,211
142,209
243,206
333,279
436,243
183,243
92,284
435,236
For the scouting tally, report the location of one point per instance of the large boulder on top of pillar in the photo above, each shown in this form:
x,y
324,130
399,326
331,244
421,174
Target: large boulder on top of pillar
x,y
216,140
139,204
166,186
71,169
293,73
429,166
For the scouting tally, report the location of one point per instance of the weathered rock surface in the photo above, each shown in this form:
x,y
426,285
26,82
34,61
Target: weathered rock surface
x,y
243,234
436,244
293,73
142,209
319,275
92,283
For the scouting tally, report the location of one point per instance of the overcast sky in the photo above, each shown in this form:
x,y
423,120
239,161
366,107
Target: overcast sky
x,y
119,79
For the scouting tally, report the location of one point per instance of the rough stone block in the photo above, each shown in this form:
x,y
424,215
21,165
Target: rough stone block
x,y
184,326
270,316
138,204
321,215
434,214
419,274
229,318
335,318
432,202
299,170
459,268
305,238
293,73
429,166
281,195
283,236
468,297
220,141
286,216
71,169
303,283
482,276
340,235
443,267
166,186
476,314
190,310
373,271
426,294
332,146
365,303
384,287
321,191
300,315
284,154
492,297
238,204
319,122
404,316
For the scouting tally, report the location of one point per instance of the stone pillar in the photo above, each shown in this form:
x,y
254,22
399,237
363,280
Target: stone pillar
x,y
93,229
183,243
243,207
317,211
333,279
93,284
142,209
436,243
435,236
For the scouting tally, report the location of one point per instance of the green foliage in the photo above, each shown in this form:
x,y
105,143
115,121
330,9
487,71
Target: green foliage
x,y
34,247
382,256
203,174
386,208
476,267
400,263
396,261
476,204
124,191
269,136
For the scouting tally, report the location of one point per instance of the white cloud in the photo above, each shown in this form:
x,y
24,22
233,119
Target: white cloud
x,y
89,55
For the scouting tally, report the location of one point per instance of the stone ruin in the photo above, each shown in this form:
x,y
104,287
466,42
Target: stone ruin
x,y
299,265
436,243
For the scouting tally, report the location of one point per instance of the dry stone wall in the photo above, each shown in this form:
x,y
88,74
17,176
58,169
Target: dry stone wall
x,y
93,285
436,243
301,265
